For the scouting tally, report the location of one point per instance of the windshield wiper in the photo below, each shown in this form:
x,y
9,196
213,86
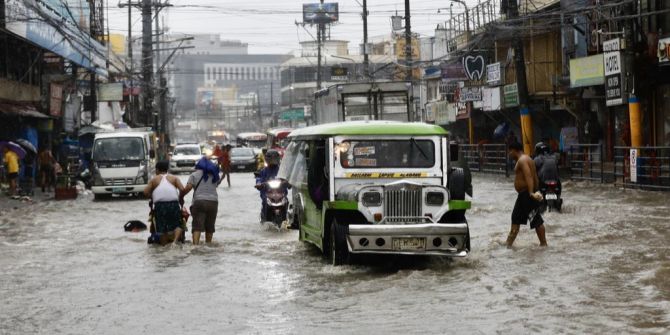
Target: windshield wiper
x,y
413,141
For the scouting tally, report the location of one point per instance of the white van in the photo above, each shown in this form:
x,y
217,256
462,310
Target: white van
x,y
122,162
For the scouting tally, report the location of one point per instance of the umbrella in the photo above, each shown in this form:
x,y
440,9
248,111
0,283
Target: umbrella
x,y
25,144
13,147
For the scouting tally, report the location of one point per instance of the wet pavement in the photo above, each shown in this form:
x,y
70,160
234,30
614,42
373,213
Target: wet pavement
x,y
68,267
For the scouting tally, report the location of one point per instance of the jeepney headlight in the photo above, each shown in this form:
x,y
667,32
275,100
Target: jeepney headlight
x,y
372,199
435,198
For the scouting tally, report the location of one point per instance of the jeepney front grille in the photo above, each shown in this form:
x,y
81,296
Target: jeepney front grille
x,y
403,205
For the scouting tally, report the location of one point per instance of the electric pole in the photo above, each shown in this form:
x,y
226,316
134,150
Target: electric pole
x,y
408,43
366,60
319,39
147,63
520,67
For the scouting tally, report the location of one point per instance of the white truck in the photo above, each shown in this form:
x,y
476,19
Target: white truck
x,y
365,101
122,162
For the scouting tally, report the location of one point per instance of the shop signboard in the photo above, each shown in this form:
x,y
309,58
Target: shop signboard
x,y
463,111
474,66
510,95
338,73
494,74
445,112
587,71
58,26
453,72
470,94
491,99
110,92
612,61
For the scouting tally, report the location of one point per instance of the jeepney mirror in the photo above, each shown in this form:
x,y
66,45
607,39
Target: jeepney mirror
x,y
453,151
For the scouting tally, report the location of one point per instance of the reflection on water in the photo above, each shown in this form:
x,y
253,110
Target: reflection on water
x,y
69,267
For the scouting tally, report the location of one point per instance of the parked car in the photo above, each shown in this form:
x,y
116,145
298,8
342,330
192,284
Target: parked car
x,y
184,157
377,187
242,159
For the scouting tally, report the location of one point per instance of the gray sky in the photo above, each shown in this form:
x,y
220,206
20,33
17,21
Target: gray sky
x,y
268,26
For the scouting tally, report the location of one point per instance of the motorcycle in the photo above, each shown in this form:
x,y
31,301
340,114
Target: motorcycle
x,y
276,203
551,194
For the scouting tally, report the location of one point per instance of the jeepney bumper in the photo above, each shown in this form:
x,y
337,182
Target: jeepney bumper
x,y
410,239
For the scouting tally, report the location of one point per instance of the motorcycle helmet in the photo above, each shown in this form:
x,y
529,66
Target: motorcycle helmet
x,y
272,157
541,148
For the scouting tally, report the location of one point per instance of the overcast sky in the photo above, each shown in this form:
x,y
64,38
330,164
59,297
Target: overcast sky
x,y
269,26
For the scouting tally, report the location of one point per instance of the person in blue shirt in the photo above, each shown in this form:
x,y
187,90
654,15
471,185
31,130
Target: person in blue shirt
x,y
269,172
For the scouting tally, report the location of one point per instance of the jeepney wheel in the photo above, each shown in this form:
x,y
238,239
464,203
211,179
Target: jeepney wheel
x,y
339,251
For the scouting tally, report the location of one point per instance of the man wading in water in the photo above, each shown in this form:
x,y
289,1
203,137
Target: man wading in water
x,y
528,200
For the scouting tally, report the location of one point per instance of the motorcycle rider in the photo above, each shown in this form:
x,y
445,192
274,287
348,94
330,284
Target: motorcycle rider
x,y
267,173
547,167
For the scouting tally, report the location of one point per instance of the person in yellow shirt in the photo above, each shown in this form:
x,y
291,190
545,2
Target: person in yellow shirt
x,y
12,162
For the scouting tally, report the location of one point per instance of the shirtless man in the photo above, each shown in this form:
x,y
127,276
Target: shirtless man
x,y
526,184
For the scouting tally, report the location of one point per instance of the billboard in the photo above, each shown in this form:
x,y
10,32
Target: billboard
x,y
587,71
320,13
59,26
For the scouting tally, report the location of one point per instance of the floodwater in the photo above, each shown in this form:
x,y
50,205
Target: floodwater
x,y
68,267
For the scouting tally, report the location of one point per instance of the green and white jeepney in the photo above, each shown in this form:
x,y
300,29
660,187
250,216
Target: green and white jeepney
x,y
376,187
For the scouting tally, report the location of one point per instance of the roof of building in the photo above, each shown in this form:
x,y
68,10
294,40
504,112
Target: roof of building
x,y
370,128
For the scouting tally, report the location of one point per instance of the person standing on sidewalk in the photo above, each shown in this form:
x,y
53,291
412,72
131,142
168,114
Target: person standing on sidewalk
x,y
47,162
12,161
526,207
205,203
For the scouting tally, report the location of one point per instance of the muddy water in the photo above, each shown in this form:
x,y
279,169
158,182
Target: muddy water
x,y
68,267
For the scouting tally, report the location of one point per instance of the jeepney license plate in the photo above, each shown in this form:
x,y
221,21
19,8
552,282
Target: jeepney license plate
x,y
551,197
118,189
409,243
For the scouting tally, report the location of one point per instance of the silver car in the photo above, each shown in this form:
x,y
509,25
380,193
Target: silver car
x,y
242,159
184,157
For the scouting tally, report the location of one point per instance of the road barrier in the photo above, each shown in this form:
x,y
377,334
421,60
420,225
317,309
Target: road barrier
x,y
586,162
489,158
644,168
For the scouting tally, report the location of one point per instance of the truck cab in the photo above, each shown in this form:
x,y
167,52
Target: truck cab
x,y
122,162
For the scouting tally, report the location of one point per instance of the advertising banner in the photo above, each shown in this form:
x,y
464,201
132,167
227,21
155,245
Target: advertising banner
x,y
110,92
445,113
613,68
55,99
587,71
663,52
60,26
474,66
320,13
453,72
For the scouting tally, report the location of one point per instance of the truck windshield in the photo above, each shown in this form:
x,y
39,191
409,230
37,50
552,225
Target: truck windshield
x,y
118,149
409,153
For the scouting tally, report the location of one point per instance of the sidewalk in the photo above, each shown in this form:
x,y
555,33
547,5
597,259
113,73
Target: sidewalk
x,y
7,204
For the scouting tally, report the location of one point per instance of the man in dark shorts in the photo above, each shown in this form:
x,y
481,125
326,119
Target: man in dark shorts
x,y
528,199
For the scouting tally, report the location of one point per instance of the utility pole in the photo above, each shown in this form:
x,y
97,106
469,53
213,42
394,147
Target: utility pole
x,y
273,122
319,39
132,110
408,43
366,60
520,67
147,63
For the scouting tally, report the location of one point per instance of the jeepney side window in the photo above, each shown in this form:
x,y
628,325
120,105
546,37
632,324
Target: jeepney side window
x,y
299,172
288,161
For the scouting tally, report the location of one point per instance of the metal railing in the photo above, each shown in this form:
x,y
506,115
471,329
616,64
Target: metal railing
x,y
586,162
652,168
490,158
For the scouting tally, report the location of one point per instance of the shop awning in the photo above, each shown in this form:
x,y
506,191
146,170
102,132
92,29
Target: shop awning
x,y
9,109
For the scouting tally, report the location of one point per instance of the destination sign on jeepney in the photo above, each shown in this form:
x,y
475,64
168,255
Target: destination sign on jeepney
x,y
361,175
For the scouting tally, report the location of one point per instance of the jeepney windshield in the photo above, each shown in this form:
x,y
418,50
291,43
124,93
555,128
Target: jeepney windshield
x,y
373,154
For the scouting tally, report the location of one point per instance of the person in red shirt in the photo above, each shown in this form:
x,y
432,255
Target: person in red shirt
x,y
224,162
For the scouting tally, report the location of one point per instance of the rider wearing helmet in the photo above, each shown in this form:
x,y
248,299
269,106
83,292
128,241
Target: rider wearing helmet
x,y
547,166
269,172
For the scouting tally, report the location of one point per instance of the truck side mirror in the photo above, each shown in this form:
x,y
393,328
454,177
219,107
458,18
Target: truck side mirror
x,y
453,151
152,153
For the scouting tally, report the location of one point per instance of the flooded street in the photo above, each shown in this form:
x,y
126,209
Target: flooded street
x,y
68,267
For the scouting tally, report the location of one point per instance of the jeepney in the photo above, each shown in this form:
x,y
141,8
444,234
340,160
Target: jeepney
x,y
376,187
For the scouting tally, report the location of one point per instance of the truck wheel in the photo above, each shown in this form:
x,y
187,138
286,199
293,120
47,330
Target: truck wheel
x,y
339,251
456,184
